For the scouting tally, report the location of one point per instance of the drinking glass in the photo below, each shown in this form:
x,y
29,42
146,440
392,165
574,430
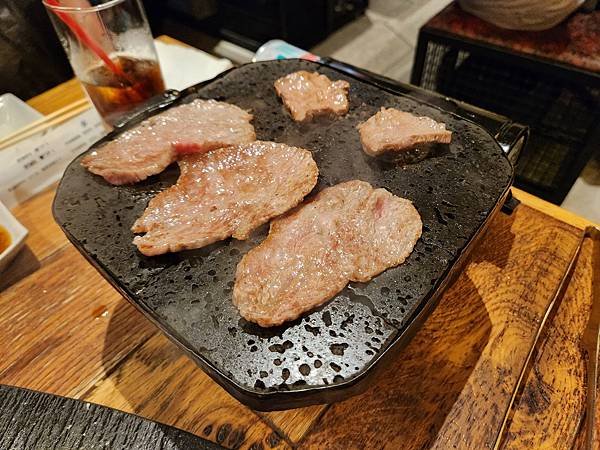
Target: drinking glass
x,y
111,50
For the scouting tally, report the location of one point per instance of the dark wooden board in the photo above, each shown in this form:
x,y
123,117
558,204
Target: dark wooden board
x,y
550,410
451,387
35,420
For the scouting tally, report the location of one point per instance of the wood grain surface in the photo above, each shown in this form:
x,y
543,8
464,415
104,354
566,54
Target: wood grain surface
x,y
293,423
45,236
35,420
451,386
54,328
158,381
554,393
552,210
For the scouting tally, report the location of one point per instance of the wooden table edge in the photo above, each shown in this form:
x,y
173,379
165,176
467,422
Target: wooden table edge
x,y
553,210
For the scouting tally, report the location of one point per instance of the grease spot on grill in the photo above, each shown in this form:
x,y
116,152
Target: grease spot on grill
x,y
304,369
440,218
363,299
281,348
347,321
314,330
338,349
335,367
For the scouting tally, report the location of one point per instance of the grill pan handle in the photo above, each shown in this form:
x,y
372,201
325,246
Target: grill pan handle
x,y
511,136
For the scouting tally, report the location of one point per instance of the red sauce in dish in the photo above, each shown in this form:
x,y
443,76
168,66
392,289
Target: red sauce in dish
x,y
4,239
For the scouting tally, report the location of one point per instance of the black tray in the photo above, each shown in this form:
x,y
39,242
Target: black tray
x,y
36,420
322,356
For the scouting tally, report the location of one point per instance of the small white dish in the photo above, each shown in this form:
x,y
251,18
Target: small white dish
x,y
15,114
17,233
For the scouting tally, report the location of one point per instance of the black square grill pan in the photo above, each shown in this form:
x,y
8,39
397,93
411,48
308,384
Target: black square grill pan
x,y
329,353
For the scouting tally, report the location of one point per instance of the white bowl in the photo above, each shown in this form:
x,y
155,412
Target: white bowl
x,y
17,233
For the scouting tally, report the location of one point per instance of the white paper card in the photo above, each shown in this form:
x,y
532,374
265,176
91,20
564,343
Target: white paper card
x,y
184,66
33,164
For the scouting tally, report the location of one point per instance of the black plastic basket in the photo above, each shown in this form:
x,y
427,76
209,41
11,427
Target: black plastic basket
x,y
561,105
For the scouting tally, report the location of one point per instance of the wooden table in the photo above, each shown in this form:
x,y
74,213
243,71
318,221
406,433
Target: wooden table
x,y
65,330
